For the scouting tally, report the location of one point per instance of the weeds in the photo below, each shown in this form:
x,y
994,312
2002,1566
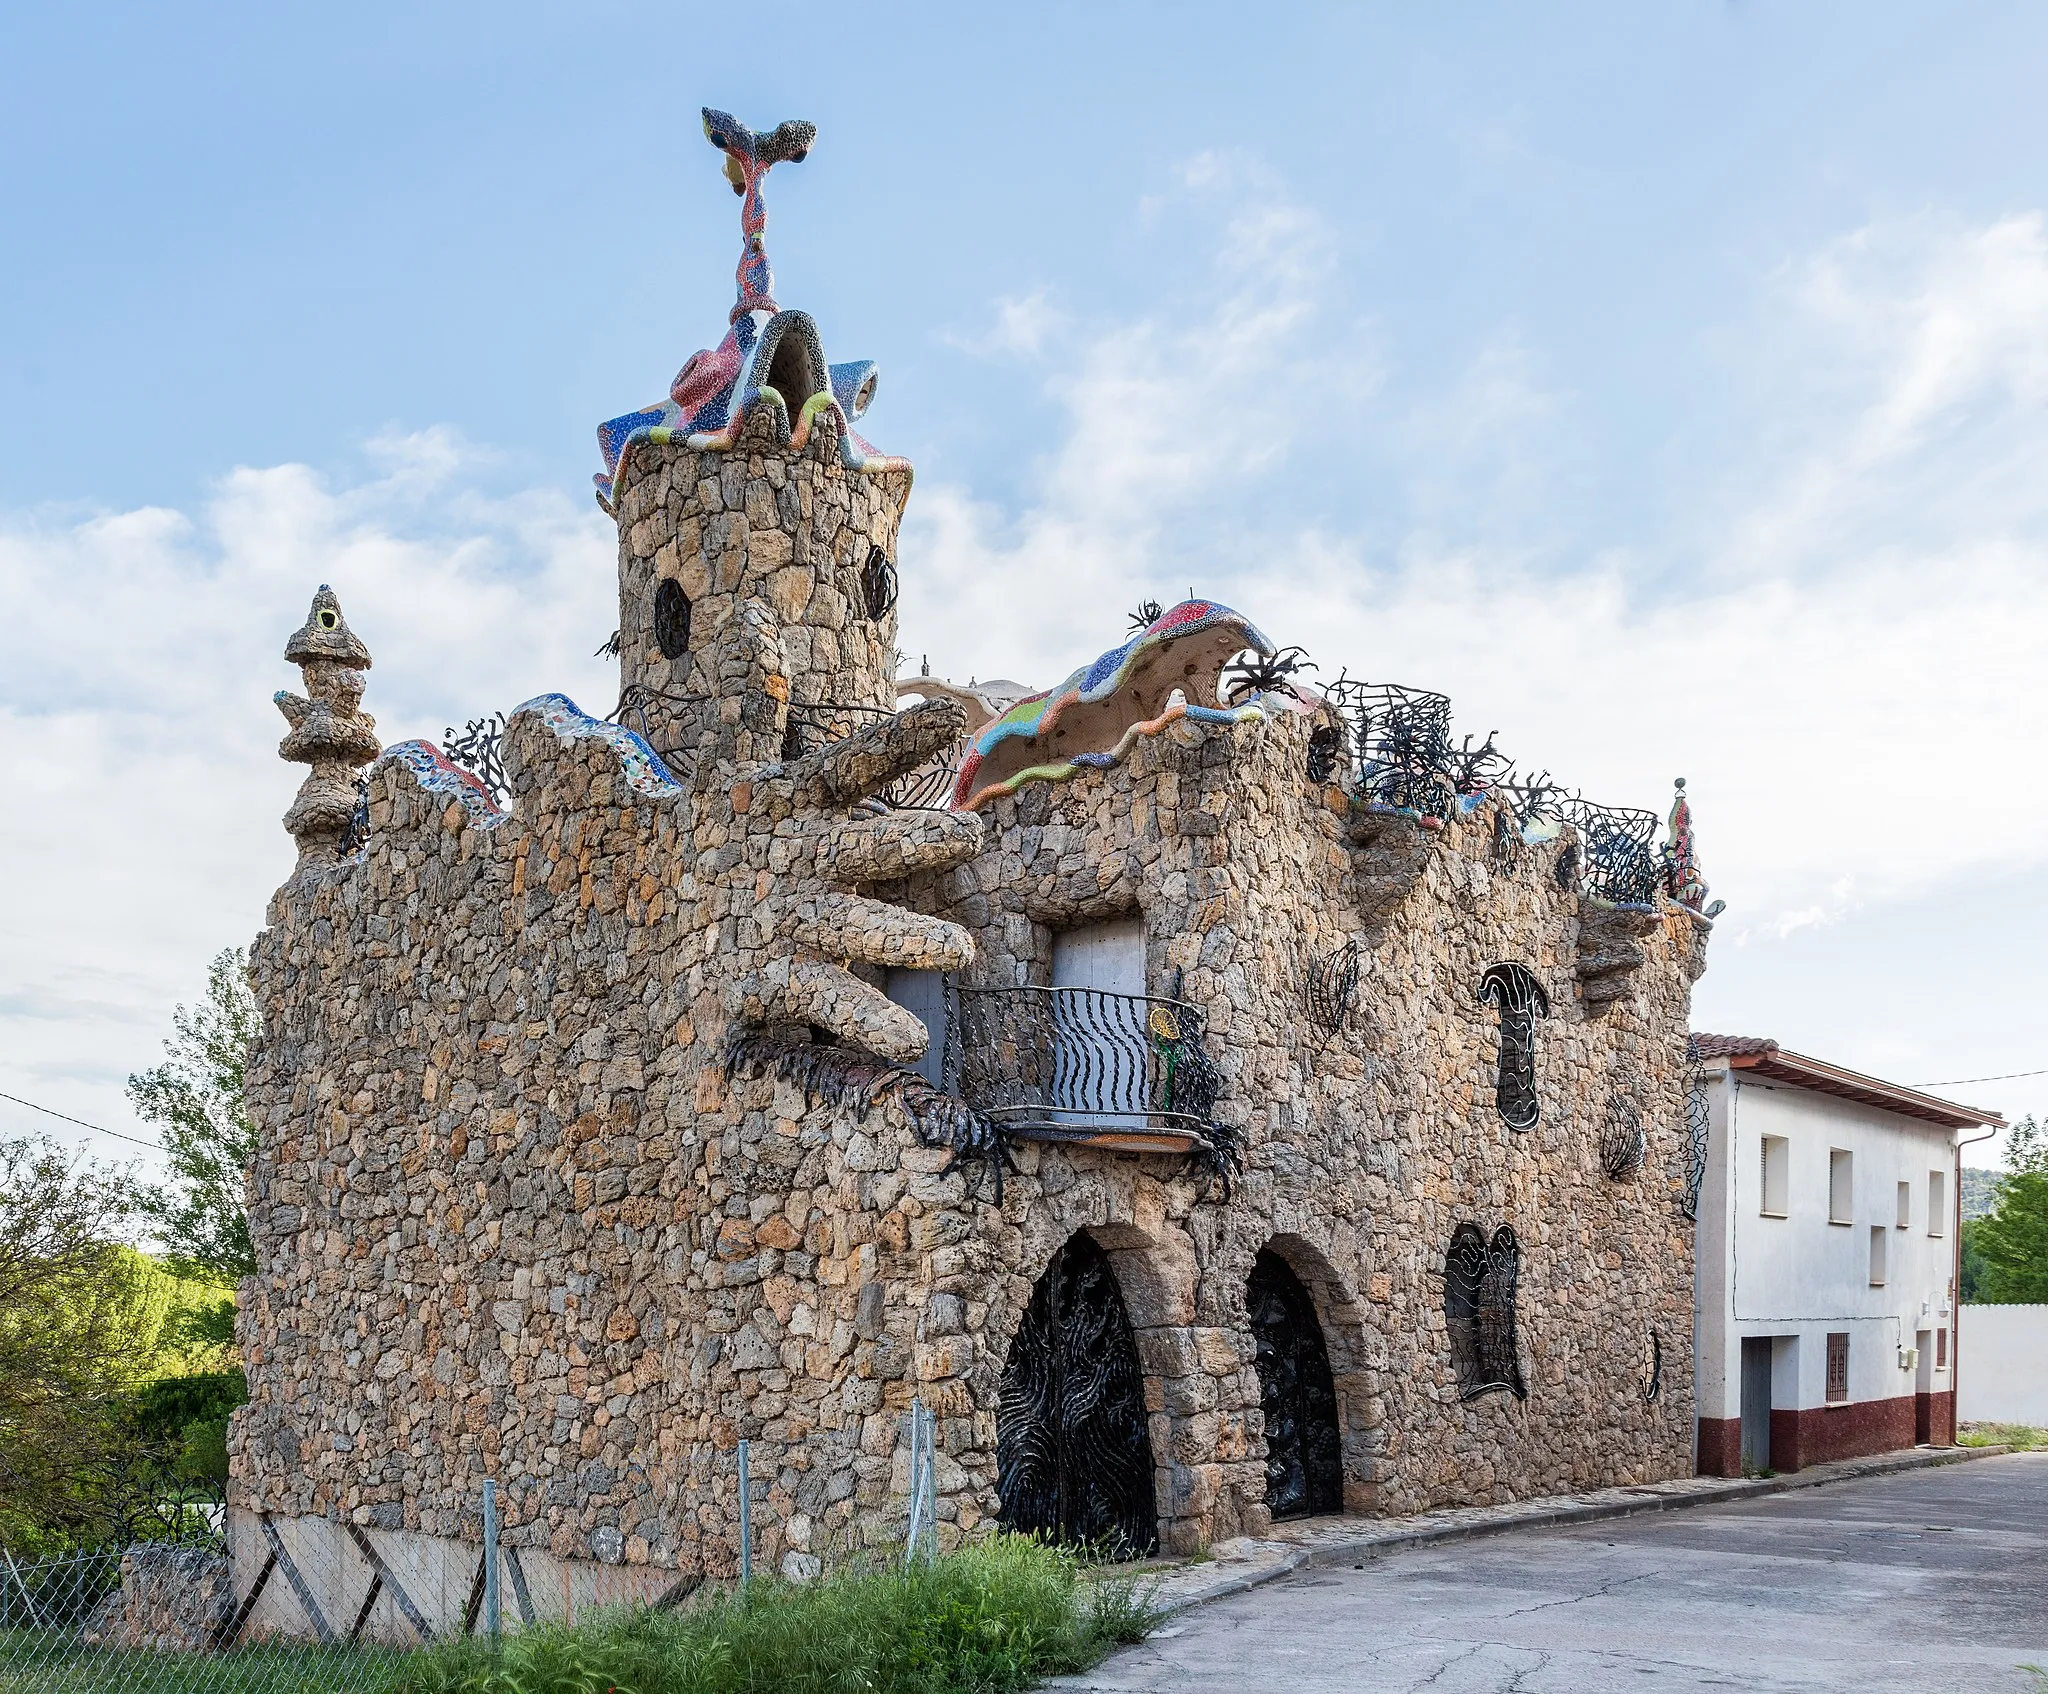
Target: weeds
x,y
2021,1438
990,1618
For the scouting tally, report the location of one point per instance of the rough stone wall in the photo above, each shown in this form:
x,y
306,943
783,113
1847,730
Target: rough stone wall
x,y
1367,1149
791,530
171,1600
512,1219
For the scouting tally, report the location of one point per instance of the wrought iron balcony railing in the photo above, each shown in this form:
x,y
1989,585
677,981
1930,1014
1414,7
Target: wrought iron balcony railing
x,y
1084,1064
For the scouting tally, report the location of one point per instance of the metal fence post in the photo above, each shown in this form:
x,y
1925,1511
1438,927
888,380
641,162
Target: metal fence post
x,y
746,1519
492,1621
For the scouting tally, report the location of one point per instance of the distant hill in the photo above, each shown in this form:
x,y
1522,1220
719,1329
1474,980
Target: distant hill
x,y
1980,1191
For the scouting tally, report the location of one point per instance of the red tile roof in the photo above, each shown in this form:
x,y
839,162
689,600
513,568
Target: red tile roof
x,y
1759,1056
1722,1046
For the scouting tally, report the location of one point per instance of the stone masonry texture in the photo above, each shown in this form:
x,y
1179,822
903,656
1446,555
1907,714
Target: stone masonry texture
x,y
514,1219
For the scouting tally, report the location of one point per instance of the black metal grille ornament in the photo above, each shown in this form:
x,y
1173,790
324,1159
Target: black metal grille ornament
x,y
1149,612
476,750
1623,1142
357,836
1479,1310
1304,1457
1697,1126
1618,858
671,618
1331,983
1521,1000
878,585
1073,1447
1325,752
1653,1385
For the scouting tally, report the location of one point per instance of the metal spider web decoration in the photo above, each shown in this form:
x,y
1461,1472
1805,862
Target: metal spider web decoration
x,y
1521,1000
1479,1310
1623,1142
476,750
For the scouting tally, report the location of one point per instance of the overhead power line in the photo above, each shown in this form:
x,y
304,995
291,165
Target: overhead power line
x,y
1958,1081
48,1111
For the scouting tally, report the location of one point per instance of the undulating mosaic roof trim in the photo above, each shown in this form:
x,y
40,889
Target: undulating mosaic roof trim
x,y
1038,719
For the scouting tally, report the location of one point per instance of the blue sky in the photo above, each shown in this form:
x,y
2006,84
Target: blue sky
x,y
1668,383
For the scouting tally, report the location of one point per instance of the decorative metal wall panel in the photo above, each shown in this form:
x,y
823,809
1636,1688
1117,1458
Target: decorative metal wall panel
x,y
476,749
671,618
1304,1457
1521,1000
1618,858
1697,1126
1330,985
1073,1449
1623,1143
1479,1310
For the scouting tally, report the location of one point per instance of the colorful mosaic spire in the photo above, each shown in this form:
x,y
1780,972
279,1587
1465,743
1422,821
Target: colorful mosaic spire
x,y
769,358
748,159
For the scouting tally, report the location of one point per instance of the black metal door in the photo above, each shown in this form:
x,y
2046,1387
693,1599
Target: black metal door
x,y
1756,1403
1073,1453
1304,1463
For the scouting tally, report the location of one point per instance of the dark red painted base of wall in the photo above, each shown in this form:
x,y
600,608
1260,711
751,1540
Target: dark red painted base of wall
x,y
1814,1435
1720,1447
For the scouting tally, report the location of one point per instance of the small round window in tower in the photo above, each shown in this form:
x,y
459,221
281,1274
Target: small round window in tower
x,y
329,618
671,619
878,584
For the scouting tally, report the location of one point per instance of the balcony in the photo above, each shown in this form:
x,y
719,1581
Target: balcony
x,y
1122,1071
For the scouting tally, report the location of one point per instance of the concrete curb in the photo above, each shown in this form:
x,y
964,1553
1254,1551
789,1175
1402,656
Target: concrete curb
x,y
1267,1561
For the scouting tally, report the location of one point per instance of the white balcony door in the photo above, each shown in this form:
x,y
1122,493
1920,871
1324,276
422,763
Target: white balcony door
x,y
924,993
1099,1067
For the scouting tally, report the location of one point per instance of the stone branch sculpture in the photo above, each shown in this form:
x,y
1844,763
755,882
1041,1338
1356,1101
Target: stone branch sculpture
x,y
329,729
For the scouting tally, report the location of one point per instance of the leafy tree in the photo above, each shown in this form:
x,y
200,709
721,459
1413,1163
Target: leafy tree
x,y
195,1102
1973,1263
2013,1241
77,1324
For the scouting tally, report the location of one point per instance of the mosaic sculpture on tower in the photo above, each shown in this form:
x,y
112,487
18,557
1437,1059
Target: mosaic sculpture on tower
x,y
769,357
799,1040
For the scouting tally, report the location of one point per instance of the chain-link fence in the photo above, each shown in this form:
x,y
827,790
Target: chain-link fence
x,y
243,1603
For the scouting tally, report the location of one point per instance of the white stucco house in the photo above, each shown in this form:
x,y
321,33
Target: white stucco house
x,y
1828,1231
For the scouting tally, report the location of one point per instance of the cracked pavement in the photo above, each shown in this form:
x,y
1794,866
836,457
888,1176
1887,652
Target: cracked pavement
x,y
1930,1580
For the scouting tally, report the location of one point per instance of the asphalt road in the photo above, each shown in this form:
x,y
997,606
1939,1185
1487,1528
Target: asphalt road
x,y
1934,1581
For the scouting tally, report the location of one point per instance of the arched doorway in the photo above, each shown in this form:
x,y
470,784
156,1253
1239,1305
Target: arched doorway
x,y
1304,1460
1073,1451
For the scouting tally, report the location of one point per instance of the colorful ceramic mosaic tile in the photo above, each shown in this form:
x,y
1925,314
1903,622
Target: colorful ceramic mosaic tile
x,y
645,773
718,388
438,774
1037,716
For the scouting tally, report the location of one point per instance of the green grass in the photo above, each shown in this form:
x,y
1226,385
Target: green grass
x,y
2018,1436
29,1665
998,1616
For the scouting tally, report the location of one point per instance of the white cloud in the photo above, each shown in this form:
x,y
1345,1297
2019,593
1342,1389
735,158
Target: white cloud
x,y
1836,634
138,742
1843,661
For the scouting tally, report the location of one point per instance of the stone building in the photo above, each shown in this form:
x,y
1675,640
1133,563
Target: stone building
x,y
1213,1097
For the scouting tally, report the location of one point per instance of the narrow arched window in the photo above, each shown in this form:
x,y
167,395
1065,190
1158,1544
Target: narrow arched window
x,y
671,618
1521,1000
1479,1310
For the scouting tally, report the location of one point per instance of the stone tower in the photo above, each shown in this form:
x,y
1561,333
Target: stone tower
x,y
757,530
329,729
